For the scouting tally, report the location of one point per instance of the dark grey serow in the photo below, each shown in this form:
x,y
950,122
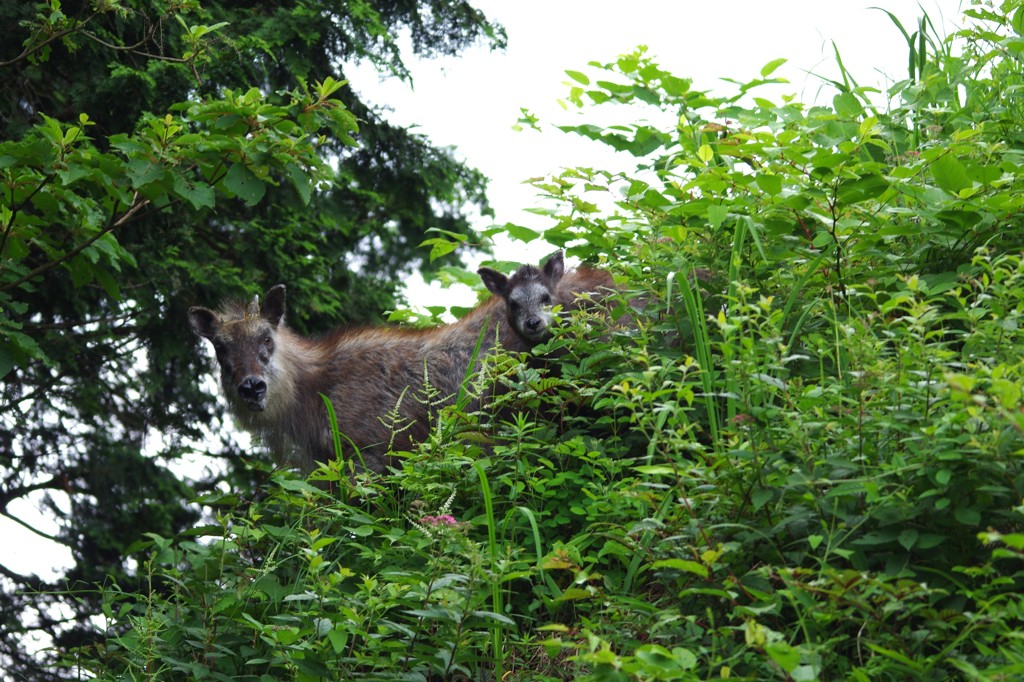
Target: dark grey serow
x,y
272,377
530,293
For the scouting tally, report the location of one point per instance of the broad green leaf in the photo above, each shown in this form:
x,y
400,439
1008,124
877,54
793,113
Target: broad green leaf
x,y
908,538
717,214
786,656
771,66
848,105
769,184
761,496
301,181
968,516
520,233
338,640
198,195
244,185
579,77
861,189
950,174
142,172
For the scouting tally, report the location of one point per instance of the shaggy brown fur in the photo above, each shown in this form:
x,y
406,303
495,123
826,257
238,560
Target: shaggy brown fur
x,y
272,377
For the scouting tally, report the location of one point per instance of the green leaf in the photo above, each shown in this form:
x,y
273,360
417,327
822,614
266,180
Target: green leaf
x,y
1017,21
950,174
199,195
770,67
717,214
656,470
338,640
684,565
6,360
490,615
861,189
769,184
848,105
439,247
908,538
967,516
578,77
786,656
241,182
301,181
761,497
142,172
520,233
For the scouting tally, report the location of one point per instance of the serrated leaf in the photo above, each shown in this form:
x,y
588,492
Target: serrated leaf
x,y
439,247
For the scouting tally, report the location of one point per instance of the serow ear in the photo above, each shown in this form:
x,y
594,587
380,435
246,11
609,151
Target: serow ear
x,y
495,282
554,268
273,304
204,322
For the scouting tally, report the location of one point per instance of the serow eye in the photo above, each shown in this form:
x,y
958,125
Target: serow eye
x,y
268,342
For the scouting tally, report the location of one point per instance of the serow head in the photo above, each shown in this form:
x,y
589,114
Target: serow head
x,y
529,295
244,337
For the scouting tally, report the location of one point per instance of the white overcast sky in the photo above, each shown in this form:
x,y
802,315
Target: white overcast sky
x,y
471,102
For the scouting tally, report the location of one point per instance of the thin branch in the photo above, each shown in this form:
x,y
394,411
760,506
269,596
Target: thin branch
x,y
132,49
114,224
14,493
33,582
35,48
17,209
26,526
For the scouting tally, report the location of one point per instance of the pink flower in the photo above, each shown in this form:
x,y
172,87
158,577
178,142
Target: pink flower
x,y
442,520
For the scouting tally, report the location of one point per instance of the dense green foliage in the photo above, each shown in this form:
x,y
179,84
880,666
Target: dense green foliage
x,y
155,155
803,460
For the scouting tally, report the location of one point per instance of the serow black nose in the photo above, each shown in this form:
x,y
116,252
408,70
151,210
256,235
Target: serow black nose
x,y
533,324
252,389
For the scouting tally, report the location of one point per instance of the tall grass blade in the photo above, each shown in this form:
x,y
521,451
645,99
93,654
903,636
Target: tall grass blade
x,y
702,348
492,546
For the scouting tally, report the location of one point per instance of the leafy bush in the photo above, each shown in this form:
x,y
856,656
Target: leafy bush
x,y
801,461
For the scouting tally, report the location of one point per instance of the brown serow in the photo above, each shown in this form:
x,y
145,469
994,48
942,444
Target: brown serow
x,y
272,377
530,292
